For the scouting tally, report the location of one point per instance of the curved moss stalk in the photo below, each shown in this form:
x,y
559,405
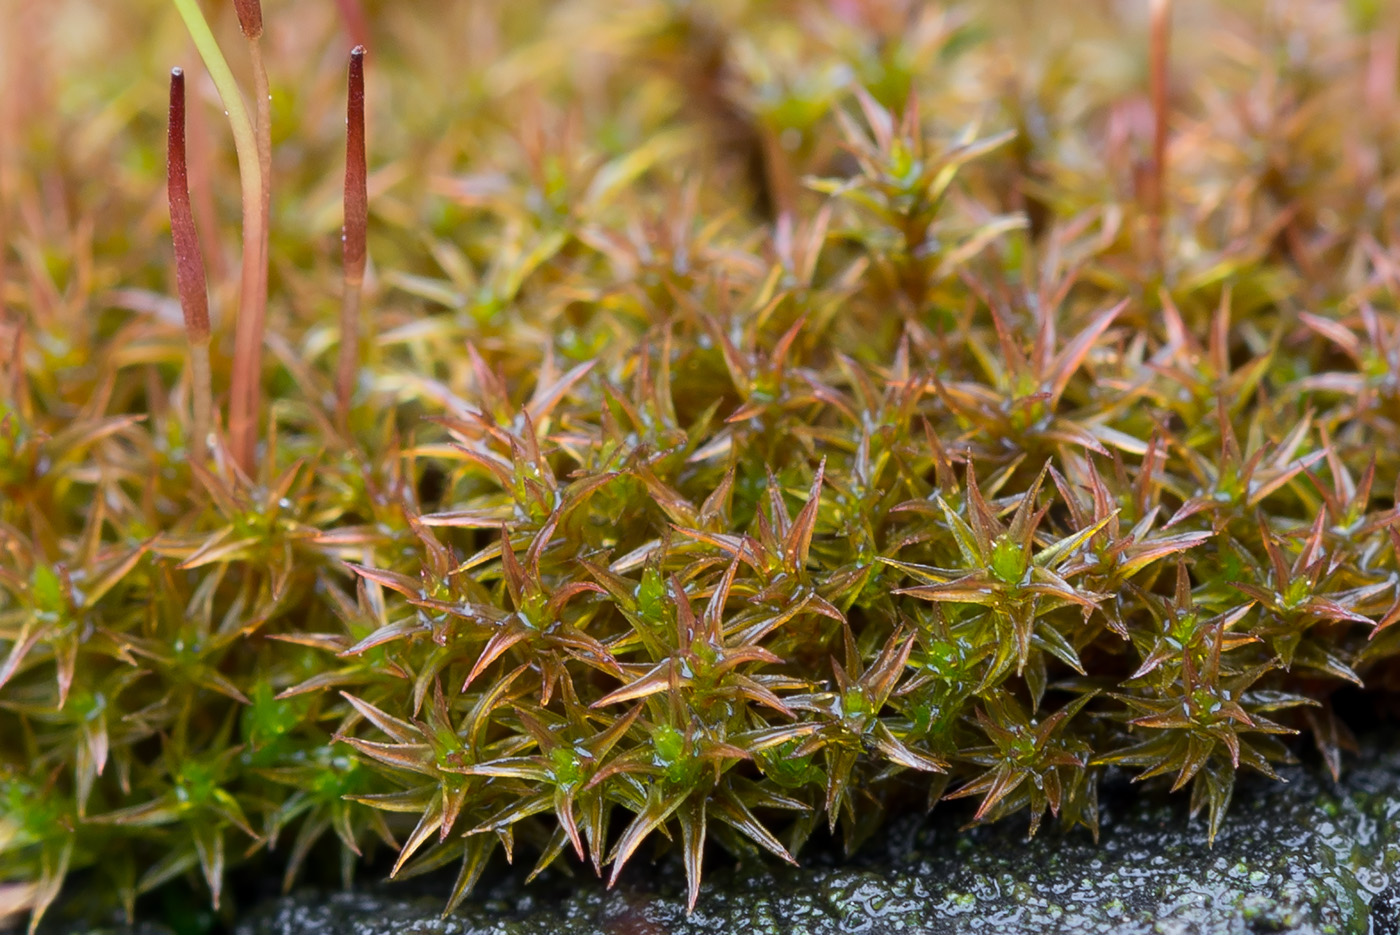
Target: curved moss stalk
x,y
354,235
252,295
189,268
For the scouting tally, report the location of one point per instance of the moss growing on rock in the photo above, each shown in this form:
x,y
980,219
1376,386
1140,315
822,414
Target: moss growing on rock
x,y
769,415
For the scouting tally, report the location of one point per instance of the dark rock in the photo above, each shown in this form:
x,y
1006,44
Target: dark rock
x,y
1385,911
1303,856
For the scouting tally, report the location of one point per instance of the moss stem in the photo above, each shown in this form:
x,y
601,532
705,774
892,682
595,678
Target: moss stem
x,y
251,301
257,325
354,235
190,279
200,383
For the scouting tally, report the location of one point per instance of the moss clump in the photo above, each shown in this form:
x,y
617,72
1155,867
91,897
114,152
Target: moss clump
x,y
774,412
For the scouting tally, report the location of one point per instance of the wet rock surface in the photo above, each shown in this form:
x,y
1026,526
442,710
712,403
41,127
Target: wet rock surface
x,y
1308,856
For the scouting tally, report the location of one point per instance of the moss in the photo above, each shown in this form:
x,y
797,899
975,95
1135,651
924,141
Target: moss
x,y
740,446
1306,873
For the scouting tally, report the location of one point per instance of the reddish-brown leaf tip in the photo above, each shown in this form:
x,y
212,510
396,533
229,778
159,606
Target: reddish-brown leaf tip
x,y
189,260
250,17
356,194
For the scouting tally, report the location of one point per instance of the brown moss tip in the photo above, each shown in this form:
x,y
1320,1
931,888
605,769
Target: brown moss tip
x,y
250,17
353,234
189,259
356,190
